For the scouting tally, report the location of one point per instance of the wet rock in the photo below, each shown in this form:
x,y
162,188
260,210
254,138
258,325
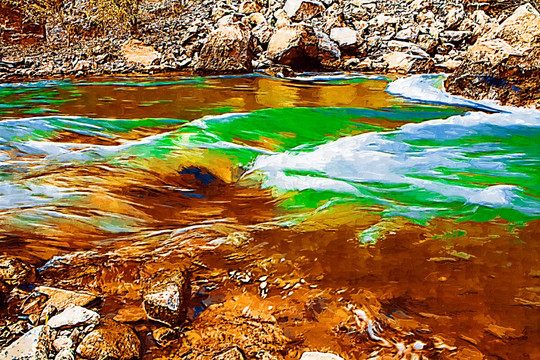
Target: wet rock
x,y
299,10
136,52
344,36
14,271
110,340
61,299
163,336
34,345
73,316
313,355
294,46
165,302
231,354
229,49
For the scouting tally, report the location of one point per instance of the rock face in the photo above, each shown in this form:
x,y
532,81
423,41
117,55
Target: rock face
x,y
503,64
136,52
165,302
110,340
229,49
33,345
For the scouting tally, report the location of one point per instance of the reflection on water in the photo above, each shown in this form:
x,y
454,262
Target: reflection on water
x,y
434,208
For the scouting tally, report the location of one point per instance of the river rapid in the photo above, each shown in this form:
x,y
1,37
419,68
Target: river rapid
x,y
347,182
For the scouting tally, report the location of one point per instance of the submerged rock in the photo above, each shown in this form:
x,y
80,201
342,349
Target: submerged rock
x,y
61,299
110,340
34,345
165,302
229,49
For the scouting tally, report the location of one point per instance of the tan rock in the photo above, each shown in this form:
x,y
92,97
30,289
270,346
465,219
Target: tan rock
x,y
229,49
520,30
163,336
110,340
249,7
314,355
292,45
399,61
73,316
61,298
491,51
136,52
299,10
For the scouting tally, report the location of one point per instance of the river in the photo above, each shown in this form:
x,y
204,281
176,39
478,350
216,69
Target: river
x,y
429,201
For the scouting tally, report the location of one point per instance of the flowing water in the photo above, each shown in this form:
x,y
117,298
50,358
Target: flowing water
x,y
429,201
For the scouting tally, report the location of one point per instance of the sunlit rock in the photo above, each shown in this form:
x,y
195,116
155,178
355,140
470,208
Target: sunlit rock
x,y
110,340
229,49
136,52
34,345
344,36
61,299
14,271
299,10
313,355
73,316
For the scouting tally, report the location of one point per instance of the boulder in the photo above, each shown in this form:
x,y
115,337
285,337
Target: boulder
x,y
293,45
329,54
521,30
503,64
34,345
110,340
344,36
399,61
136,52
300,10
229,49
166,301
73,316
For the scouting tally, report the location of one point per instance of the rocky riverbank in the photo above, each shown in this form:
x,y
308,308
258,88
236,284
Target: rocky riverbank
x,y
477,42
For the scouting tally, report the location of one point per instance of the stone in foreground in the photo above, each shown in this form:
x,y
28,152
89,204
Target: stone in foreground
x,y
229,49
33,345
110,340
136,52
231,354
314,355
61,299
299,10
73,316
165,302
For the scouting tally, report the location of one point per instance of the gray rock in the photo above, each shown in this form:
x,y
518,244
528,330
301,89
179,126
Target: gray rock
x,y
73,316
34,345
313,355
